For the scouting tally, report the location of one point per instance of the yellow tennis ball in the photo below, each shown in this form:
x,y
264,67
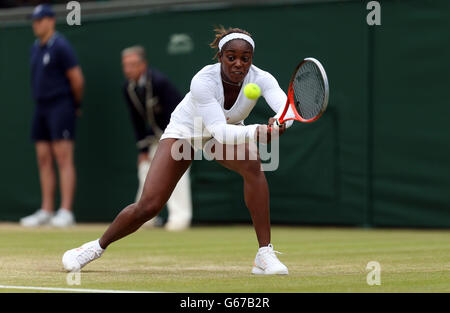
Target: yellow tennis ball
x,y
252,91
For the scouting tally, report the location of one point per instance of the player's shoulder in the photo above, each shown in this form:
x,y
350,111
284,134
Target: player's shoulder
x,y
259,73
207,76
205,84
208,71
261,77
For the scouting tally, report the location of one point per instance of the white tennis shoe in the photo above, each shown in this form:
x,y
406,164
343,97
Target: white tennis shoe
x,y
63,218
267,263
40,217
74,260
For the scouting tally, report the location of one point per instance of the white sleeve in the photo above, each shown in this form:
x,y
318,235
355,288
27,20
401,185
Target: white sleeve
x,y
209,109
275,97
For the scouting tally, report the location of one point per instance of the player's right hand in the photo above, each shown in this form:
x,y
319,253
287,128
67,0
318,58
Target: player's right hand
x,y
272,125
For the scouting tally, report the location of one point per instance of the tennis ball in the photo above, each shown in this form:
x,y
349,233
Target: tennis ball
x,y
252,91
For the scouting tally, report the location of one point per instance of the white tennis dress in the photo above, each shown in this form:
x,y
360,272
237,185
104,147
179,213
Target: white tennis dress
x,y
201,114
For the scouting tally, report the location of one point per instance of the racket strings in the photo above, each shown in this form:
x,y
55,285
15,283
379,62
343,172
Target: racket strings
x,y
309,91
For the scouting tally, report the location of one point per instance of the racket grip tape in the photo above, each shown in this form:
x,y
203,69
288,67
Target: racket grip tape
x,y
275,125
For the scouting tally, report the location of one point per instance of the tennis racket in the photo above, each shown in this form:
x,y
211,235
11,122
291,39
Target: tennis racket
x,y
308,93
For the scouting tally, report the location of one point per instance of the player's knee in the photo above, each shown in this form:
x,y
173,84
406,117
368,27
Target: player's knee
x,y
148,207
250,169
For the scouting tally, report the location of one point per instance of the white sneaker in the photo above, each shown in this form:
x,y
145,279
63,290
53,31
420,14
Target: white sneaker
x,y
177,225
74,260
40,217
267,263
63,218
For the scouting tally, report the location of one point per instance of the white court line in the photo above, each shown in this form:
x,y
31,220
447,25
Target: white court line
x,y
74,289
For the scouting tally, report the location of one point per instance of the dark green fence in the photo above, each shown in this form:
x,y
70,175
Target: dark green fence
x,y
380,156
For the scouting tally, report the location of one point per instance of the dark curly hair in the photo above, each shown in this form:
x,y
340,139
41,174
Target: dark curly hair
x,y
222,32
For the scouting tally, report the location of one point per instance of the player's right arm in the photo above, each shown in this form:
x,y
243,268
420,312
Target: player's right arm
x,y
275,97
209,109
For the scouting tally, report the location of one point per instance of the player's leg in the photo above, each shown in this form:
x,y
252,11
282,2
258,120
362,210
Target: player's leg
x,y
256,190
256,194
143,167
144,162
161,180
179,205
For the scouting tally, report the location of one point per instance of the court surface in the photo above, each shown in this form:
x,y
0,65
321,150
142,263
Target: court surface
x,y
220,258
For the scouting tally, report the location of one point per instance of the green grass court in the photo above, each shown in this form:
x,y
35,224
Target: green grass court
x,y
220,258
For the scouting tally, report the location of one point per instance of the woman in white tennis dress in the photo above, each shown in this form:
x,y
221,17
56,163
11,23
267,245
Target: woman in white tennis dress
x,y
206,102
214,109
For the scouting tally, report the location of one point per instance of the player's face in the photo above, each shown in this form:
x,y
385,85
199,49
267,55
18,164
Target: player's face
x,y
133,67
43,26
236,58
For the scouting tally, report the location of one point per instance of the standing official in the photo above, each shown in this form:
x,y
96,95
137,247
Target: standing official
x,y
57,87
151,99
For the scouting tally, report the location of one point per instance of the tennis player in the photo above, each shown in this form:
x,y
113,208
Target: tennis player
x,y
216,96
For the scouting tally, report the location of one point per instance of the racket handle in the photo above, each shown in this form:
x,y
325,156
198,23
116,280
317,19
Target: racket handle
x,y
275,125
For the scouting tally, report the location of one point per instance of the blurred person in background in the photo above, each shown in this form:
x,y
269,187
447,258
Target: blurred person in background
x,y
151,99
57,88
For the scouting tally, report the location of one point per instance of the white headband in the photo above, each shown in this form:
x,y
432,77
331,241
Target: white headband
x,y
232,36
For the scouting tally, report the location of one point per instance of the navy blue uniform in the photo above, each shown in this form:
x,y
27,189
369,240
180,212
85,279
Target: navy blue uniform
x,y
54,116
150,106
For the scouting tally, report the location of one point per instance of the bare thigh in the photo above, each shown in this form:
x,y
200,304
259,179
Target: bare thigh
x,y
163,175
243,159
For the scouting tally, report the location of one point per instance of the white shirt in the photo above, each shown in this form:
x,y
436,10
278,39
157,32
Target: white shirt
x,y
201,114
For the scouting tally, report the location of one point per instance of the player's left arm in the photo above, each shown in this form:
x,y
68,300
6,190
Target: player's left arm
x,y
275,98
